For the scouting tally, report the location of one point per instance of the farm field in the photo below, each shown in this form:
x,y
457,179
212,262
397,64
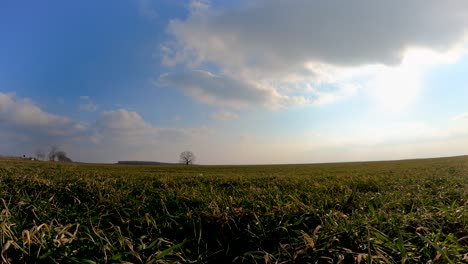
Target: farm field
x,y
410,211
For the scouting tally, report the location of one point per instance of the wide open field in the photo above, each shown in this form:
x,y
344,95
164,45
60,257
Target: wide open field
x,y
412,211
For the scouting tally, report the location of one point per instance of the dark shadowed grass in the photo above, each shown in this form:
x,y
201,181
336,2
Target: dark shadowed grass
x,y
380,212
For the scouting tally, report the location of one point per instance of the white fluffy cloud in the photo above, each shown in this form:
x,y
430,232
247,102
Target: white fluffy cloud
x,y
209,88
25,127
121,120
23,114
114,135
270,50
123,134
126,122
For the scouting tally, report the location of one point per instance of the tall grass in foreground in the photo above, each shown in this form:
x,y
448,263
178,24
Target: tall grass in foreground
x,y
380,212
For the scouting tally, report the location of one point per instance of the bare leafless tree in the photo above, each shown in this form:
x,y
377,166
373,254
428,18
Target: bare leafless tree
x,y
53,153
40,155
187,157
62,156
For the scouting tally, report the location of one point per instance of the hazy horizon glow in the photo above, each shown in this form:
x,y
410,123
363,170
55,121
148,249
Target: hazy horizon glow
x,y
255,82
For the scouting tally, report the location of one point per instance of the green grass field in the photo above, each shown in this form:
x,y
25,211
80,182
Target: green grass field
x,y
381,212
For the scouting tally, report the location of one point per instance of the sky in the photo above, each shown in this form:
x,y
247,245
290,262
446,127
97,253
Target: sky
x,y
236,82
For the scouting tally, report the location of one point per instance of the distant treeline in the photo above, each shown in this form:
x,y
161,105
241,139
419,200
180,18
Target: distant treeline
x,y
146,163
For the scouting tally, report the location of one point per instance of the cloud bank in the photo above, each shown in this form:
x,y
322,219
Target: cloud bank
x,y
267,52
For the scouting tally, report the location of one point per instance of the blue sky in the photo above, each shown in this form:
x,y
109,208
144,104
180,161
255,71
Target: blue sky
x,y
237,83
